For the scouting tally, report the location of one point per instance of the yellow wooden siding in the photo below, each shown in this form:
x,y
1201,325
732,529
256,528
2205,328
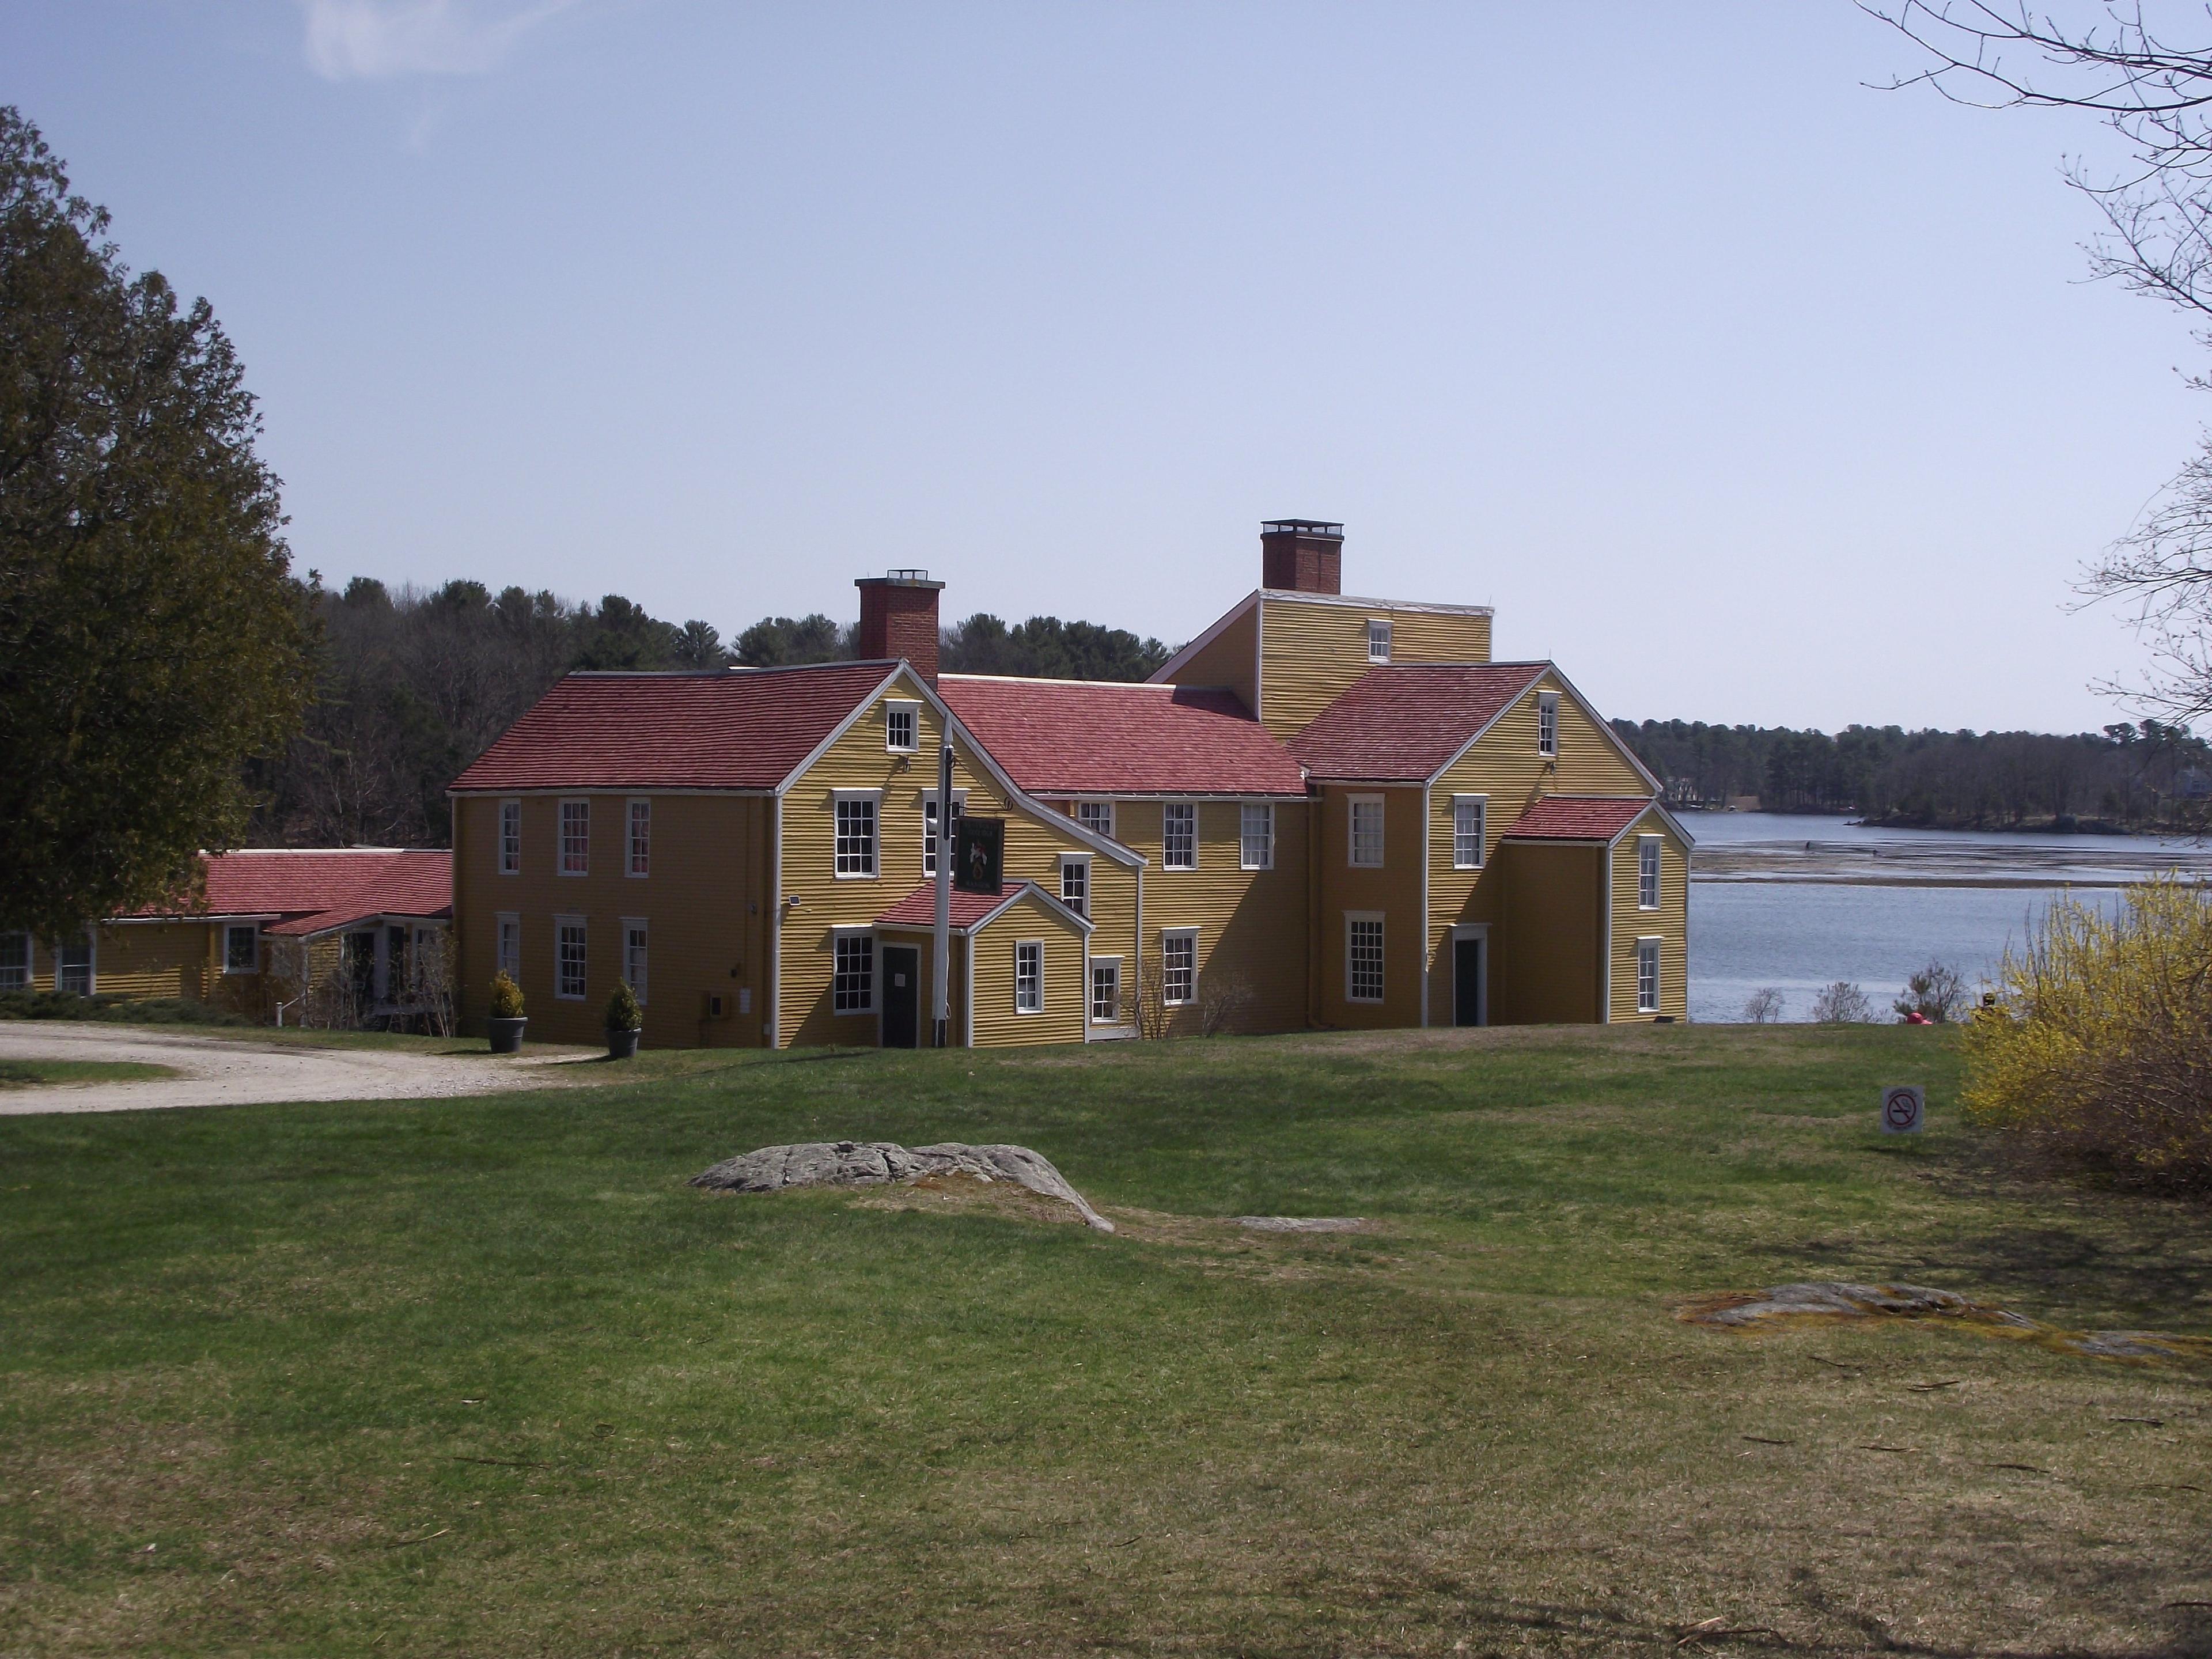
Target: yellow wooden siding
x,y
1506,768
995,1022
1669,923
1311,652
704,902
1251,923
1231,659
1547,949
1395,891
1035,838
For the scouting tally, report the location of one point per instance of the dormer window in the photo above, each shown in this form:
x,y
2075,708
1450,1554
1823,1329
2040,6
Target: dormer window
x,y
1378,641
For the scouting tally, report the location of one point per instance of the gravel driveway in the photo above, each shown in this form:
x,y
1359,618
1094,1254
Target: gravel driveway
x,y
239,1071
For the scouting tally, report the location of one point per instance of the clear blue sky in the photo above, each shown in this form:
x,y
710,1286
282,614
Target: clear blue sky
x,y
1747,392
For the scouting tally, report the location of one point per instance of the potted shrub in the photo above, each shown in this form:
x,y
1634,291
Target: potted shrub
x,y
625,1023
507,1016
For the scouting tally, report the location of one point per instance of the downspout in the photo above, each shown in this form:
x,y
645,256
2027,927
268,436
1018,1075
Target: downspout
x,y
1428,945
775,1024
1134,990
1605,960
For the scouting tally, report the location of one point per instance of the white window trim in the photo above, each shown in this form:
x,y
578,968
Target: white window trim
x,y
30,968
1658,871
1083,859
91,963
1482,829
1105,808
1020,945
874,871
584,922
515,803
560,836
1658,944
1547,712
1352,805
1378,918
1382,622
928,800
230,928
1167,933
1191,807
643,927
630,836
1089,1014
847,930
1267,859
913,710
498,963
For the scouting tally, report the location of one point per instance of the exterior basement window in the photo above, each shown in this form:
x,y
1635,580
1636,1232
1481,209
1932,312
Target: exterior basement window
x,y
901,723
1547,723
1647,872
1367,832
1256,843
1647,976
1363,956
575,837
14,962
1179,966
510,837
852,990
242,948
641,838
856,835
1096,816
1469,812
571,958
1029,976
1106,990
1179,835
1378,641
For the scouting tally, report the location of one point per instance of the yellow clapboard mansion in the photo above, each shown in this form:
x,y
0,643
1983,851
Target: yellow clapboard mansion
x,y
1323,812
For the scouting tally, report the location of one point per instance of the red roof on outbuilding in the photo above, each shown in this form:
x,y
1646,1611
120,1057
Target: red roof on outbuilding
x,y
742,728
1404,723
1085,738
1577,817
315,891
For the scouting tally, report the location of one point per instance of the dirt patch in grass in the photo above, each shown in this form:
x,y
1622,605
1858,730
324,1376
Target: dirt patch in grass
x,y
35,1073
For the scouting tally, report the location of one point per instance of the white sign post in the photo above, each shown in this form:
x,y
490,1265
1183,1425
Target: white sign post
x,y
1903,1108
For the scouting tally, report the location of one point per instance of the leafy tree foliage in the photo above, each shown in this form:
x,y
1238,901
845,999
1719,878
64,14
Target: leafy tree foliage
x,y
1045,647
783,641
151,637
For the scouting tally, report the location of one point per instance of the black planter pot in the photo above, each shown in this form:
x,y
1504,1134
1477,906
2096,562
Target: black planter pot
x,y
507,1036
622,1045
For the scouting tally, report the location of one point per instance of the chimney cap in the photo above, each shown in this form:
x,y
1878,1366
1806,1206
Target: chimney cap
x,y
911,576
1302,527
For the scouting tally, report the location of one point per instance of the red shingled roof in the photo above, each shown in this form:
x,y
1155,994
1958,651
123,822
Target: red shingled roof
x,y
1082,736
1576,817
1405,722
739,729
918,908
315,891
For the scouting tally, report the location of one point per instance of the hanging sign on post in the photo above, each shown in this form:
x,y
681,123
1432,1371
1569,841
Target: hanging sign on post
x,y
979,847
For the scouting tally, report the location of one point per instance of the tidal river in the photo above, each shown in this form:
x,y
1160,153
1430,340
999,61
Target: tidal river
x,y
1798,902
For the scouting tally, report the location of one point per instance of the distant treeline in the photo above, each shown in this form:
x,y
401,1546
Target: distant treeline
x,y
413,685
2128,777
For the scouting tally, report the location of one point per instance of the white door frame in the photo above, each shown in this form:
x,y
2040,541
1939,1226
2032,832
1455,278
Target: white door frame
x,y
1479,932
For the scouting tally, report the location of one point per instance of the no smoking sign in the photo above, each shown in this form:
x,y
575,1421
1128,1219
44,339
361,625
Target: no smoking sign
x,y
1902,1109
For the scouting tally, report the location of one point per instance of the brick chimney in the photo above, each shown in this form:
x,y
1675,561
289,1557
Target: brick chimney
x,y
1304,554
898,619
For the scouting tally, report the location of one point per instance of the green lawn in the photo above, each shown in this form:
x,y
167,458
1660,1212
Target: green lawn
x,y
29,1073
484,1376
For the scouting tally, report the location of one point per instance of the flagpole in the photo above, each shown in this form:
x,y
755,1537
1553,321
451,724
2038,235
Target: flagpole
x,y
940,997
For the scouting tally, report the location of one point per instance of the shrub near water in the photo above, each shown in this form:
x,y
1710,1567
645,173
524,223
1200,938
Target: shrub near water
x,y
2102,1047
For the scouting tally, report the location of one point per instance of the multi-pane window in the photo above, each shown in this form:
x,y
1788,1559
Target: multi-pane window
x,y
1179,835
570,958
1547,723
510,947
853,979
929,827
1367,831
1096,816
242,948
1647,976
634,955
1363,958
1075,885
14,962
1029,976
1106,991
1179,966
1378,641
575,837
73,969
856,835
641,838
1256,847
900,725
1647,872
510,837
1469,812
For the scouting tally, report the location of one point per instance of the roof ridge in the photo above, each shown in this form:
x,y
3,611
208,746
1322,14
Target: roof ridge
x,y
1054,679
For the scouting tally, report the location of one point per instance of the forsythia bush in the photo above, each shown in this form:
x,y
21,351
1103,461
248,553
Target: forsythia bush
x,y
2101,1045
